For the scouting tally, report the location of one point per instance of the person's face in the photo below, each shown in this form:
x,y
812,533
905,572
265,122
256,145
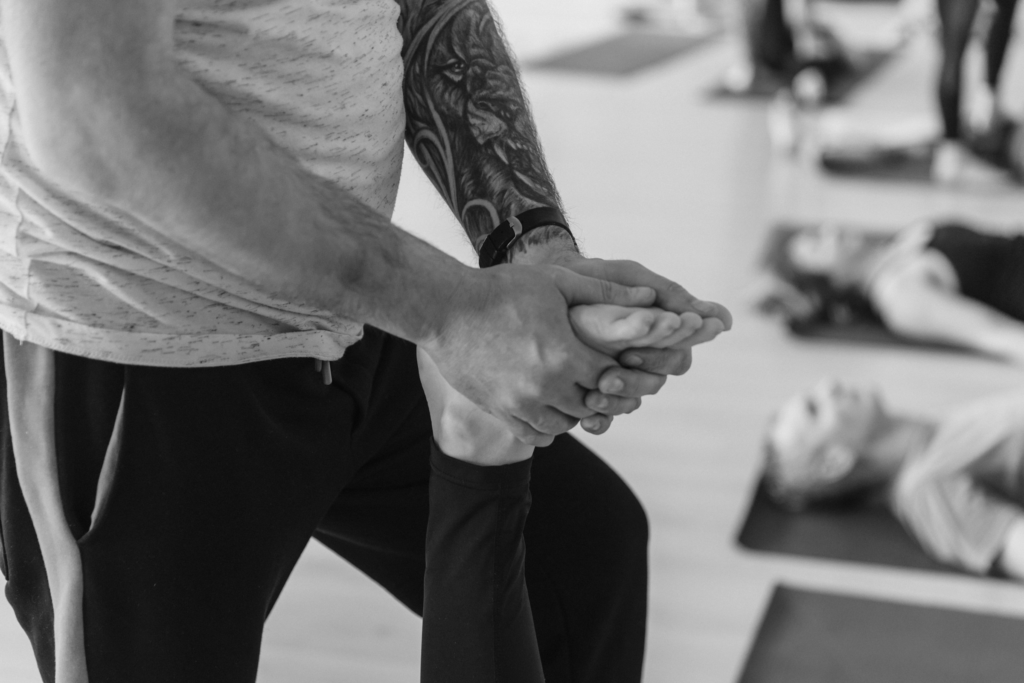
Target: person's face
x,y
818,433
827,251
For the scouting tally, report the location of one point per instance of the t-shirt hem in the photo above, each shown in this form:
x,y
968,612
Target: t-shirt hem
x,y
188,350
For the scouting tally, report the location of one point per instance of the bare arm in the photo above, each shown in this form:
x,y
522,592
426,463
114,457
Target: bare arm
x,y
468,122
109,115
469,126
915,307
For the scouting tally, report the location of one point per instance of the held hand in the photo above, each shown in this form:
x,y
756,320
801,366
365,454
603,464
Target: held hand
x,y
507,345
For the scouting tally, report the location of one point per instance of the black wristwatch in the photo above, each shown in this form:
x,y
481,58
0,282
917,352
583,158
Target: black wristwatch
x,y
496,247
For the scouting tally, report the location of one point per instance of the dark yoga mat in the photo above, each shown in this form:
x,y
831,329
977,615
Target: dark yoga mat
x,y
766,85
869,535
912,163
856,330
624,54
812,637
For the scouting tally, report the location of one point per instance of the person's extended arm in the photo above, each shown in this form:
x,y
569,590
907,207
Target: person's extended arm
x,y
956,498
915,307
109,115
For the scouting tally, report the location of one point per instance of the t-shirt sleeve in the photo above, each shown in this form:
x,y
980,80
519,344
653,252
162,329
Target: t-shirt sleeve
x,y
957,519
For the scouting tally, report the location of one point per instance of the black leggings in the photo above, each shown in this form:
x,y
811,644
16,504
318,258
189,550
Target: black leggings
x,y
222,476
957,17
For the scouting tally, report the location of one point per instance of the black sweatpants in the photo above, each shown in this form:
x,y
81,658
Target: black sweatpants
x,y
187,496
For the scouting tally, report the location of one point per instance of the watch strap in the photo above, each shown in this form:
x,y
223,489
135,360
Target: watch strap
x,y
496,247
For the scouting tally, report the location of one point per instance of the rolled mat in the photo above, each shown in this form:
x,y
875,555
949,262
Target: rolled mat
x,y
816,637
912,163
624,54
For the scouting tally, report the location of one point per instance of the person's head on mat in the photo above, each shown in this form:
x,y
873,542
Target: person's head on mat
x,y
819,447
821,274
955,483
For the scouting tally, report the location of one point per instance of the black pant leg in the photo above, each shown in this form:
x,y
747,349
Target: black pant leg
x,y
477,622
586,544
586,567
998,40
220,478
957,19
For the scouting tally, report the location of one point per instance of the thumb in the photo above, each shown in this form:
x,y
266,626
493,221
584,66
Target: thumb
x,y
580,289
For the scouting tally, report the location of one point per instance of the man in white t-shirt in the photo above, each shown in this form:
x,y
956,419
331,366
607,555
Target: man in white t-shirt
x,y
210,327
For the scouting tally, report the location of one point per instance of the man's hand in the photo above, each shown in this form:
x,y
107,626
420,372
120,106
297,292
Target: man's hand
x,y
507,345
641,371
644,371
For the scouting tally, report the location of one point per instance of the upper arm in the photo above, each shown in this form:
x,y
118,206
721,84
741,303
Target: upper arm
x,y
922,299
75,62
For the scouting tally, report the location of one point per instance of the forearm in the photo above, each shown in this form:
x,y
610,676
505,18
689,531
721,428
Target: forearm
x,y
467,119
926,312
118,122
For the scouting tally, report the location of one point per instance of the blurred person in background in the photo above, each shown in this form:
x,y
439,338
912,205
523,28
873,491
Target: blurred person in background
x,y
942,281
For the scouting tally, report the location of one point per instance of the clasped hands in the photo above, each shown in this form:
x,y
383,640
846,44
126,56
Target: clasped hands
x,y
550,346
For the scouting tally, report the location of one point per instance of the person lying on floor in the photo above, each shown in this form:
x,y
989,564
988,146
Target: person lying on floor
x,y
938,281
479,501
956,484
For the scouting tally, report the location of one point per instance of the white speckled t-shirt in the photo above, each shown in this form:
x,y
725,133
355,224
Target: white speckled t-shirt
x,y
323,78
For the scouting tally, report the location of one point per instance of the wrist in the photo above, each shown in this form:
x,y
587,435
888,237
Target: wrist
x,y
549,245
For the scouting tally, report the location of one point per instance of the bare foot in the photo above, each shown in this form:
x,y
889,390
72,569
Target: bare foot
x,y
611,329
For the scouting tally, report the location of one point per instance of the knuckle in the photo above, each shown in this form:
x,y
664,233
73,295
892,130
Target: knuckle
x,y
607,290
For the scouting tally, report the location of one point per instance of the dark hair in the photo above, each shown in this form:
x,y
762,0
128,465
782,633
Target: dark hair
x,y
825,303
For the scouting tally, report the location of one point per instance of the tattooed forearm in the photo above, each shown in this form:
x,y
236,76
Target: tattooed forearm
x,y
467,119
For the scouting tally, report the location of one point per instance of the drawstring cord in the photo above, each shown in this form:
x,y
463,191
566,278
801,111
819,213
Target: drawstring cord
x,y
324,368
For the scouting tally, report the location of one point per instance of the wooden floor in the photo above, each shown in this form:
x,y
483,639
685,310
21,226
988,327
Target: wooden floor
x,y
653,170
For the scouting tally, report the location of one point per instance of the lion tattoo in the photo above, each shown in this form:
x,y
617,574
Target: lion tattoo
x,y
469,126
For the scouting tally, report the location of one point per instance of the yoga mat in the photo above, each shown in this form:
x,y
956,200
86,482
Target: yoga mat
x,y
623,55
815,637
868,535
857,330
912,163
766,84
